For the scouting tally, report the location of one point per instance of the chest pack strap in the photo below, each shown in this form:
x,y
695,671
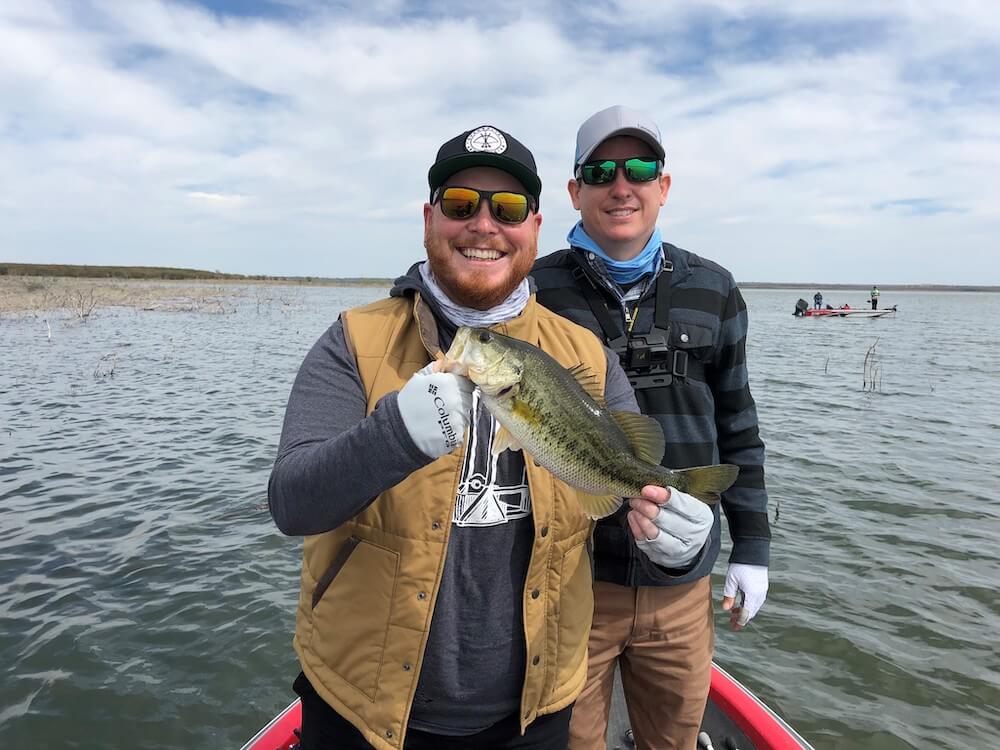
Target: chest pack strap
x,y
615,338
647,358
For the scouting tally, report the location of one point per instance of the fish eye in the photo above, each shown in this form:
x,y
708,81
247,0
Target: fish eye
x,y
504,391
485,337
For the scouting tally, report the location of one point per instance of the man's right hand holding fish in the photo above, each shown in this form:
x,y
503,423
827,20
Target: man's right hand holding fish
x,y
670,526
436,408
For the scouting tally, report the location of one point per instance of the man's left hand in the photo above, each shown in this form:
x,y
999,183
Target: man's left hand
x,y
752,581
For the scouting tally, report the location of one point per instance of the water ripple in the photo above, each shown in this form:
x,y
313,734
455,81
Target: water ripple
x,y
147,599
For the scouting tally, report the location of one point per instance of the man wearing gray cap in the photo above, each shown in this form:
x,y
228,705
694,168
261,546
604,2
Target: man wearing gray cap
x,y
678,324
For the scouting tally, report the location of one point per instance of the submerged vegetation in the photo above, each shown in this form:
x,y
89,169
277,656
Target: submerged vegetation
x,y
80,297
872,378
33,289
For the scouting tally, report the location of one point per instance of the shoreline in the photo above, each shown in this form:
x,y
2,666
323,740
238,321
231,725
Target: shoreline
x,y
133,274
79,296
865,287
229,281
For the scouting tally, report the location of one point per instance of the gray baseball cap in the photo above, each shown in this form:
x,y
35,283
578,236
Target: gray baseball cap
x,y
616,120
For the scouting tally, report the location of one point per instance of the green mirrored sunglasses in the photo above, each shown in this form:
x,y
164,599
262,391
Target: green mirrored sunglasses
x,y
603,171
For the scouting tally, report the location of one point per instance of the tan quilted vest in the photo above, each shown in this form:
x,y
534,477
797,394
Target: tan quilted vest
x,y
369,586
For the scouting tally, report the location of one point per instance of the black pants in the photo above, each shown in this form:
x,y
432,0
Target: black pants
x,y
325,729
874,302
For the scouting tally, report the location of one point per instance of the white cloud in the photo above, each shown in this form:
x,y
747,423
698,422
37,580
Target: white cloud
x,y
154,127
217,199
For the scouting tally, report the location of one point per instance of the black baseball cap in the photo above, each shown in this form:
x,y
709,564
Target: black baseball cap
x,y
486,146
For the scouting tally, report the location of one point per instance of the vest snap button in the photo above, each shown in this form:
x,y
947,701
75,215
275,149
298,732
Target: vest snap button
x,y
535,660
435,526
421,596
407,667
685,337
545,530
389,733
535,594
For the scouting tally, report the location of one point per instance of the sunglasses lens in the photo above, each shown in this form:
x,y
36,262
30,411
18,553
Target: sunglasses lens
x,y
603,172
598,172
641,170
510,208
459,203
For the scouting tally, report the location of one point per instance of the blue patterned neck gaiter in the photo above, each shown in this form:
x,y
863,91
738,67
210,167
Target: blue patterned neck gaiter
x,y
624,272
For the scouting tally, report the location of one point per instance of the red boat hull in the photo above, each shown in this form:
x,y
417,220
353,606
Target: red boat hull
x,y
736,714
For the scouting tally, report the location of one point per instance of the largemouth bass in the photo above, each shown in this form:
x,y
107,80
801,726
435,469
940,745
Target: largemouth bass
x,y
547,411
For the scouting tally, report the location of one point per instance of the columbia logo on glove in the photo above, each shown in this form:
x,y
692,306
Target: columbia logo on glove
x,y
450,439
436,408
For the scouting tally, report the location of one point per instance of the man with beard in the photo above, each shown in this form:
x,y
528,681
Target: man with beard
x,y
446,592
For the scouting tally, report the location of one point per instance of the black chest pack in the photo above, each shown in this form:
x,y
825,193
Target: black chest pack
x,y
649,359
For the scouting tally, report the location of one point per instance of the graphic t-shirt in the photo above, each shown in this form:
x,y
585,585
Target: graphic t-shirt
x,y
474,661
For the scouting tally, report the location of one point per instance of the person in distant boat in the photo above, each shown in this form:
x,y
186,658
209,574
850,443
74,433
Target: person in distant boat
x,y
679,324
874,297
446,594
818,301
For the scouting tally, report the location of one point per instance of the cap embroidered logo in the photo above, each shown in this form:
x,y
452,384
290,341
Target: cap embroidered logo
x,y
486,139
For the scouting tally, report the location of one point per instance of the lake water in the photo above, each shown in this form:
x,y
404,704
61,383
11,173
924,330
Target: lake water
x,y
146,600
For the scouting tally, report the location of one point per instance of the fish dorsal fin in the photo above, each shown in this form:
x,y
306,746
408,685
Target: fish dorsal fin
x,y
598,506
644,435
504,441
588,381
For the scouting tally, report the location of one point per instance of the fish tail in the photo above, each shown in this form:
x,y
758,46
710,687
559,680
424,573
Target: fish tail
x,y
707,483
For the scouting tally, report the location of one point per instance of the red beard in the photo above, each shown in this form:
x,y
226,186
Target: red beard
x,y
470,288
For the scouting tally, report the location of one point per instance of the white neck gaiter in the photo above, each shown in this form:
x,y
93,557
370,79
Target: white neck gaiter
x,y
466,316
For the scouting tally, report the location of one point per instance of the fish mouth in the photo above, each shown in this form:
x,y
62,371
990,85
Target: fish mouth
x,y
455,358
464,357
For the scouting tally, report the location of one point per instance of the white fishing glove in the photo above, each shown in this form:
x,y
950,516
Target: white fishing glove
x,y
436,408
682,526
752,581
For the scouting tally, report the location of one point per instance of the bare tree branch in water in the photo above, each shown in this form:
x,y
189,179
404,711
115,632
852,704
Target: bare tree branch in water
x,y
872,377
83,302
106,365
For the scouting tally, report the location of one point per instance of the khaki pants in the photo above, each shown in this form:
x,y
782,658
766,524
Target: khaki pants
x,y
661,637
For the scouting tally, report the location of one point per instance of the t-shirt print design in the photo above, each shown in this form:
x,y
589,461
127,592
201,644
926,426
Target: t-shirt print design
x,y
492,489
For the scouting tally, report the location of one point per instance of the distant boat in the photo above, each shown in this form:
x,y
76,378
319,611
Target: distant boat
x,y
849,312
802,310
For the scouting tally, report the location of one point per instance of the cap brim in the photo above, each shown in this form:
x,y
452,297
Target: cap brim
x,y
642,135
444,169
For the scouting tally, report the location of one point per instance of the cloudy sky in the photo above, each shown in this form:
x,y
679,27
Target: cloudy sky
x,y
821,140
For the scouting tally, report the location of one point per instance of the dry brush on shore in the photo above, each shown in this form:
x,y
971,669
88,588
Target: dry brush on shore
x,y
80,297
